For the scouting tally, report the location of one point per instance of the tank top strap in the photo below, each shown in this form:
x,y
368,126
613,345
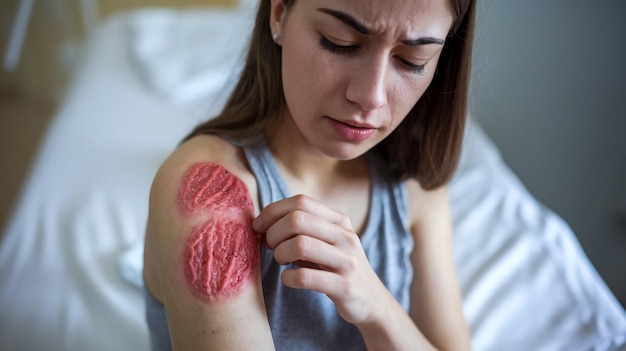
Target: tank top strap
x,y
270,182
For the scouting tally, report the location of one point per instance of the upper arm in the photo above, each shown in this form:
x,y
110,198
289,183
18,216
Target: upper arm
x,y
202,257
436,303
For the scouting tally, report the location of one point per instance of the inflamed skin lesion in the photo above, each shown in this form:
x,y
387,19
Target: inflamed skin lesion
x,y
221,254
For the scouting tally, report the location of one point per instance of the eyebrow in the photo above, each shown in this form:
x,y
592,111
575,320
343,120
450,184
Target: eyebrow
x,y
361,28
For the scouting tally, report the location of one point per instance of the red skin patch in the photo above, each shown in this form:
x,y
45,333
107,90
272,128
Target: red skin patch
x,y
222,253
209,186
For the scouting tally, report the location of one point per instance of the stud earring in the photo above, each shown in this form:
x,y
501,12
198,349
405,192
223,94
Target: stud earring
x,y
275,36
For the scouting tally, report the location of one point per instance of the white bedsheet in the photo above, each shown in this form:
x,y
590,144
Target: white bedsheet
x,y
527,284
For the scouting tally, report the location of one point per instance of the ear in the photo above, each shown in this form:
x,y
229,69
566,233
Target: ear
x,y
277,13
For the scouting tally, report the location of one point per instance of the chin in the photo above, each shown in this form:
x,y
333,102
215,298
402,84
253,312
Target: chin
x,y
345,153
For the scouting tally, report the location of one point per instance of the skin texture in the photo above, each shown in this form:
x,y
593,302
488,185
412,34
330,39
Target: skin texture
x,y
209,186
222,252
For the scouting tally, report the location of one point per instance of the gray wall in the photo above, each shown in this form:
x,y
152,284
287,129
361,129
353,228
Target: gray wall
x,y
549,88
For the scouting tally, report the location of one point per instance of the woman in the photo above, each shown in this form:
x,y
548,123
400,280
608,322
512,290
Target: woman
x,y
312,214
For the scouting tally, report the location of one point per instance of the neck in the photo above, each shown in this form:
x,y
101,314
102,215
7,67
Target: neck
x,y
309,171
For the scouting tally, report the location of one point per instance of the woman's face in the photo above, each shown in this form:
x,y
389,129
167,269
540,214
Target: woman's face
x,y
353,69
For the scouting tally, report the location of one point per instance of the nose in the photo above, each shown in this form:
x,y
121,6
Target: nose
x,y
367,86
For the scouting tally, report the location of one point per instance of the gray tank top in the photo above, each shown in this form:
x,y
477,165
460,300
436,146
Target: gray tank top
x,y
307,320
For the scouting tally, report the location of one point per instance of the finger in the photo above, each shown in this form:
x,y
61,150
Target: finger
x,y
274,211
304,223
324,282
310,252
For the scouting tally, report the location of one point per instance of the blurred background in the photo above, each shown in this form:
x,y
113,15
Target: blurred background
x,y
547,87
41,44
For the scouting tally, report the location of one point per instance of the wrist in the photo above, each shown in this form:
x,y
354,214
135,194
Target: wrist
x,y
389,327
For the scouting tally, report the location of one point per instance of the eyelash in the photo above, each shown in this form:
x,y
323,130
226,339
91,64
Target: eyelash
x,y
351,50
337,49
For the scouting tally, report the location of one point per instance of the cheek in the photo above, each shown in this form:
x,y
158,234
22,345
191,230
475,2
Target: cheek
x,y
404,97
310,77
295,81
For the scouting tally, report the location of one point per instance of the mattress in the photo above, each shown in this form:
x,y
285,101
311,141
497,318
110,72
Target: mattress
x,y
70,262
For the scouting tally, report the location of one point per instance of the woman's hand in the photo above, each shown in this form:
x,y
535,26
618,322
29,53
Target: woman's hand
x,y
322,242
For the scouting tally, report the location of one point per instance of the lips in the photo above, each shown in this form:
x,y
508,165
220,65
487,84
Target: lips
x,y
351,132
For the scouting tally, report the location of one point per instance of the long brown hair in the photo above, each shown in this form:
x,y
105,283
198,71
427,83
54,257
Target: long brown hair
x,y
425,146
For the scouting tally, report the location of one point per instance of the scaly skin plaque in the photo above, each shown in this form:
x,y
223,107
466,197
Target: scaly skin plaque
x,y
220,255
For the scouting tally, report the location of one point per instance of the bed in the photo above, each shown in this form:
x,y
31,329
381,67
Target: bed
x,y
70,261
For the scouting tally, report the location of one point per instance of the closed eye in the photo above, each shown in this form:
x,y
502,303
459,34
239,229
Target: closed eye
x,y
347,50
344,50
417,69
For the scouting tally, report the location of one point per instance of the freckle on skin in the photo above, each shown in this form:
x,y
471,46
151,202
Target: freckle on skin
x,y
220,255
219,330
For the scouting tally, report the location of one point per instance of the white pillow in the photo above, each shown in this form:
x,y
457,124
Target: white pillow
x,y
189,55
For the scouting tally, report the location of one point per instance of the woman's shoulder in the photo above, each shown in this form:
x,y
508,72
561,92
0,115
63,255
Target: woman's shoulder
x,y
203,149
426,206
196,155
169,215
